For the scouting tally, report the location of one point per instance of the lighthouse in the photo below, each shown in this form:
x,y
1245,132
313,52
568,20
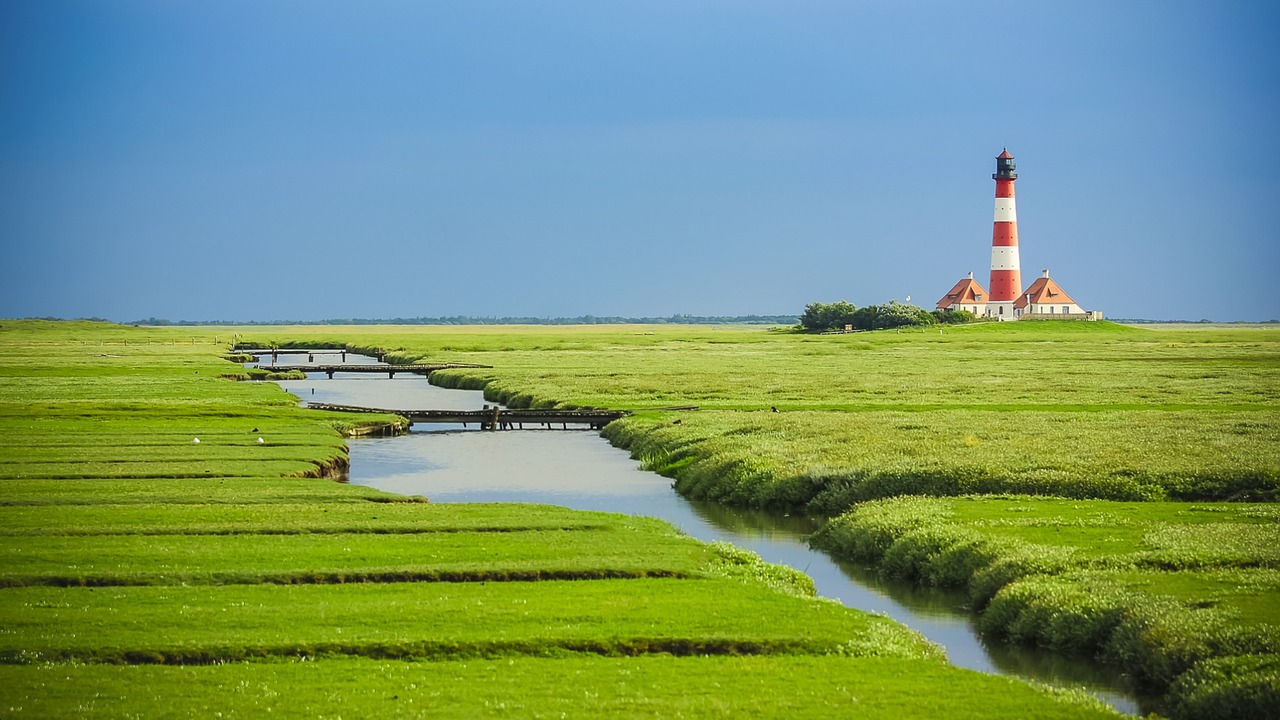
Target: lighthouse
x,y
1006,275
1044,300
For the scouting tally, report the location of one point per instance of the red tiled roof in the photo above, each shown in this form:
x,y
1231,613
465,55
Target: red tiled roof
x,y
967,291
1044,291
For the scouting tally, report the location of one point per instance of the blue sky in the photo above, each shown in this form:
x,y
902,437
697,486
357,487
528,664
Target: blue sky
x,y
258,160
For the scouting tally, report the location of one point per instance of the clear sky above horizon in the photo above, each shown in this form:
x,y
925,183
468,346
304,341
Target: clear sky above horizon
x,y
303,160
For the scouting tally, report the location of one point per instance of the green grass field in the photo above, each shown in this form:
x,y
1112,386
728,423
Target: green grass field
x,y
145,575
1088,411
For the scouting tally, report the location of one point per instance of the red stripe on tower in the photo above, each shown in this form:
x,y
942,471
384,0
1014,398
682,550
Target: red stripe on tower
x,y
1006,275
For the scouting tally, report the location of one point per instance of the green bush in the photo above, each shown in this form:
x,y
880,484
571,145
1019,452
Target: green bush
x,y
827,316
891,315
839,315
953,317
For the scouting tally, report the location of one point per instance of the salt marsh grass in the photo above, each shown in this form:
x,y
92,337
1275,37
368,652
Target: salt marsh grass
x,y
143,571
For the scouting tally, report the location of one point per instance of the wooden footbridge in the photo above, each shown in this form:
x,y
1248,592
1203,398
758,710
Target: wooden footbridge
x,y
494,418
390,370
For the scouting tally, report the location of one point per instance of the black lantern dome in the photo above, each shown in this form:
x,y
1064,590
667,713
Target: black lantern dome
x,y
1006,168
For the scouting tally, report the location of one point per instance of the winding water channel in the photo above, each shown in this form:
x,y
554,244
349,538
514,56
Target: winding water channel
x,y
579,469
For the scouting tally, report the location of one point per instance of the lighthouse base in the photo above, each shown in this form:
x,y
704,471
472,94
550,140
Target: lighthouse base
x,y
1002,310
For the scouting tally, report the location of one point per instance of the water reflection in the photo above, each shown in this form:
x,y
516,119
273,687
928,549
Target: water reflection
x,y
579,469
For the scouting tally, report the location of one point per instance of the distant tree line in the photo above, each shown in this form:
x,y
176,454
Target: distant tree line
x,y
472,320
821,317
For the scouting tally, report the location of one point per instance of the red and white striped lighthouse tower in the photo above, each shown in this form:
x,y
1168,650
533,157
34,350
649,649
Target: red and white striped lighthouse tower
x,y
1006,275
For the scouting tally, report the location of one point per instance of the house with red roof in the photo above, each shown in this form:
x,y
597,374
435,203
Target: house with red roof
x,y
1046,299
966,295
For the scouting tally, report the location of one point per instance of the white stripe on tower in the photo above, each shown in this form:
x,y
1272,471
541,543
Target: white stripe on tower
x,y
1005,258
1006,209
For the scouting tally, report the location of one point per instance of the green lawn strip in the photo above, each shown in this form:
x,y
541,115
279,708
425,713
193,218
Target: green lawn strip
x,y
175,446
156,421
302,516
162,470
118,391
140,421
210,449
123,447
636,687
217,490
336,558
435,620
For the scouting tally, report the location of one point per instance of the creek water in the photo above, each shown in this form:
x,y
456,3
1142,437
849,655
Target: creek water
x,y
579,469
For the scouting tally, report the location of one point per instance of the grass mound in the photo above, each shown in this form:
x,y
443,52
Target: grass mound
x,y
1156,588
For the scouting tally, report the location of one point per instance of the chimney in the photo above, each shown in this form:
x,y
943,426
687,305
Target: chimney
x,y
970,275
1046,272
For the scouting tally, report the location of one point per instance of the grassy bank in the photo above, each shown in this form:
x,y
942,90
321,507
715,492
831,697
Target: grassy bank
x,y
144,574
1169,591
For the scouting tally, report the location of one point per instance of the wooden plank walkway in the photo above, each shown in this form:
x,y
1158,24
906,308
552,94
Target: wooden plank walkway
x,y
390,370
494,418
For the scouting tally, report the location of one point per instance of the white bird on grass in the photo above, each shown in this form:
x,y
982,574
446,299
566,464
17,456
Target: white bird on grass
x,y
261,441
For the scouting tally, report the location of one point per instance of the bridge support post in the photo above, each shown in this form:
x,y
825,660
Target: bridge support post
x,y
329,373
